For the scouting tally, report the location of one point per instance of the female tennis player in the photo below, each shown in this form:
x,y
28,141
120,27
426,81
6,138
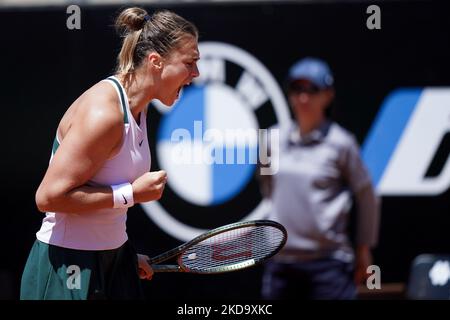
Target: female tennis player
x,y
100,166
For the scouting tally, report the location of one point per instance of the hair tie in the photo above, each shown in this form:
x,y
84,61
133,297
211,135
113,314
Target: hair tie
x,y
147,17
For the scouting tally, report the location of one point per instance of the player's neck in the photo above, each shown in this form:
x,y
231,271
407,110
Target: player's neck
x,y
138,92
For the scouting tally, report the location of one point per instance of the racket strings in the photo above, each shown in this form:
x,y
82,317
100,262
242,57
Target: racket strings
x,y
227,249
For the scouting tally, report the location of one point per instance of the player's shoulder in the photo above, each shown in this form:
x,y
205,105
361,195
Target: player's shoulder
x,y
101,102
102,93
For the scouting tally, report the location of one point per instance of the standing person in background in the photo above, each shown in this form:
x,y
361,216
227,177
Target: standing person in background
x,y
100,166
320,170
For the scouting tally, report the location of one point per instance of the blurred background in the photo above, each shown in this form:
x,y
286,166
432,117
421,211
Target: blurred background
x,y
393,93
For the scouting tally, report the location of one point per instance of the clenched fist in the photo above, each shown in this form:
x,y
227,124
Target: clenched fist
x,y
149,186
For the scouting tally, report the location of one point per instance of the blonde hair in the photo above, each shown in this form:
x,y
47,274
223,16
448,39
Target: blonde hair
x,y
142,33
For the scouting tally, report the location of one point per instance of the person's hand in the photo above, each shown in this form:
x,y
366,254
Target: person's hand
x,y
149,186
363,259
144,268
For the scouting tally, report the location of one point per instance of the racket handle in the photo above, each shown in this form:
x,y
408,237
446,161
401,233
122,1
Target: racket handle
x,y
166,268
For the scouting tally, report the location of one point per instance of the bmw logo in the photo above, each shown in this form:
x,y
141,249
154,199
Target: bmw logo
x,y
208,143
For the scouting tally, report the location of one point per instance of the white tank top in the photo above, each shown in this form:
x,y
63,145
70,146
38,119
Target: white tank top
x,y
103,229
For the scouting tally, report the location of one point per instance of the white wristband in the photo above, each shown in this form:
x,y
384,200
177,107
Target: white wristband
x,y
123,195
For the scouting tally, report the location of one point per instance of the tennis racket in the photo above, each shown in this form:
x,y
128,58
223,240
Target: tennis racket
x,y
228,248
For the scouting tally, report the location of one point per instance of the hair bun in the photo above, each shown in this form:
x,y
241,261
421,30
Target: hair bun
x,y
131,19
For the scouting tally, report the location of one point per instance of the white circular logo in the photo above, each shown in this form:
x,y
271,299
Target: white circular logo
x,y
208,143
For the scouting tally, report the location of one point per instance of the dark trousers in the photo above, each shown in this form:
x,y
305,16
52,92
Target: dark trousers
x,y
324,279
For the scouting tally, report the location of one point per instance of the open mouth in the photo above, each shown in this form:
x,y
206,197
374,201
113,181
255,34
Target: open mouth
x,y
180,89
179,92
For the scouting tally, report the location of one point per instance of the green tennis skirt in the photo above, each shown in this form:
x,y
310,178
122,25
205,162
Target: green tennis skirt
x,y
57,273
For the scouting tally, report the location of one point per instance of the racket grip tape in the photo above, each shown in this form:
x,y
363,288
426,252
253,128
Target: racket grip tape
x,y
166,268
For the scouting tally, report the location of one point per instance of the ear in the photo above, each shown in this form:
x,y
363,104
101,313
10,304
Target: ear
x,y
155,60
330,94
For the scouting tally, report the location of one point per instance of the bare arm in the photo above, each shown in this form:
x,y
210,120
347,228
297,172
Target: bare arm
x,y
367,230
265,184
368,210
96,129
